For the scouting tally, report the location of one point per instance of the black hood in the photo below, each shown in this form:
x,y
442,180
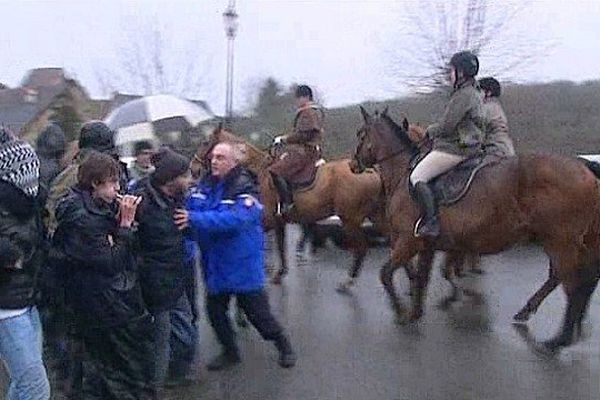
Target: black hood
x,y
51,143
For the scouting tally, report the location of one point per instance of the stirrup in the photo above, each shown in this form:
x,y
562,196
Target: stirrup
x,y
417,226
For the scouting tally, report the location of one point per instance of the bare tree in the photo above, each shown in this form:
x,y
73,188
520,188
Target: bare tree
x,y
430,31
149,61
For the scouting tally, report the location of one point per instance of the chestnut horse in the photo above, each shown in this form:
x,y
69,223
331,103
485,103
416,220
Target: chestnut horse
x,y
537,196
336,191
455,261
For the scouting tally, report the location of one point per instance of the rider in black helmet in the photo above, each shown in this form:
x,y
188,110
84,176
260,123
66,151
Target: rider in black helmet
x,y
457,136
497,139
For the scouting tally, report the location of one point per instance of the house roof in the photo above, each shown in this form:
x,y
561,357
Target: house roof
x,y
20,105
44,77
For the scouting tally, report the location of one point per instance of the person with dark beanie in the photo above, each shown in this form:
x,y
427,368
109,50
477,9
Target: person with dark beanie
x,y
50,145
96,240
163,269
21,244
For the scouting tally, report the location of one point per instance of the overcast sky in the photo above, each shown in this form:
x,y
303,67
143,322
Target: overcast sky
x,y
336,46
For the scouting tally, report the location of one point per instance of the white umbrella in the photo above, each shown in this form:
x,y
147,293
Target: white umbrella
x,y
146,117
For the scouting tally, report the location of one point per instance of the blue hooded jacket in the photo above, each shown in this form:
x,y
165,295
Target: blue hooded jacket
x,y
225,221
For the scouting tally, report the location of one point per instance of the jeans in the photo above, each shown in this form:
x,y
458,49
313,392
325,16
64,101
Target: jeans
x,y
21,350
254,304
174,340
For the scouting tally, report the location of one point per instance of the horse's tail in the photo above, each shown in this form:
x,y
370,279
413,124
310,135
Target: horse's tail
x,y
592,166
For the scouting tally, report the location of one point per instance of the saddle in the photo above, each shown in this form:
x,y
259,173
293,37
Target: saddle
x,y
451,186
307,177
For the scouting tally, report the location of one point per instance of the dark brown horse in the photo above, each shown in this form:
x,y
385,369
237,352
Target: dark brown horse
x,y
336,191
531,196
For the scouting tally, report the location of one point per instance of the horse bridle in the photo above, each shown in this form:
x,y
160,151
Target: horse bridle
x,y
361,134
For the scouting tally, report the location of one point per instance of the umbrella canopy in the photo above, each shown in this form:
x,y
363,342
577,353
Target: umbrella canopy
x,y
150,116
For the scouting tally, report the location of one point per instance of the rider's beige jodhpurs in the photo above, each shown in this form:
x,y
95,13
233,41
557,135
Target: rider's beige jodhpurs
x,y
434,164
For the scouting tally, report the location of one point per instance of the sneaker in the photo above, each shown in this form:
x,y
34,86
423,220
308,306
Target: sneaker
x,y
223,361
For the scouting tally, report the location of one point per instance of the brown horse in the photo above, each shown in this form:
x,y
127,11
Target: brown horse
x,y
531,196
336,191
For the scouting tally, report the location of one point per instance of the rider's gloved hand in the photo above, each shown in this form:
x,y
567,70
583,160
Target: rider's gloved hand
x,y
279,139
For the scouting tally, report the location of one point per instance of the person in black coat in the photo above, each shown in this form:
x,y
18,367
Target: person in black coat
x,y
95,236
21,248
163,267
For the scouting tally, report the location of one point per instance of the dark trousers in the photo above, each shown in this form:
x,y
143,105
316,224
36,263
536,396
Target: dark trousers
x,y
256,307
120,362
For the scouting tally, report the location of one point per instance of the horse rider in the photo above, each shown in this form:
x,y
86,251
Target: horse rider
x,y
457,136
302,146
497,140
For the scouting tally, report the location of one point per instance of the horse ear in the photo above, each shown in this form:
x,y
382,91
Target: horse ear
x,y
220,127
365,114
385,111
405,124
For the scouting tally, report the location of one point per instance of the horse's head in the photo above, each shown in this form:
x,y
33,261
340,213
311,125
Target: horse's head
x,y
201,160
373,146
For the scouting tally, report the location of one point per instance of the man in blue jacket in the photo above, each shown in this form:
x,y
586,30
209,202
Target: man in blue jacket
x,y
224,216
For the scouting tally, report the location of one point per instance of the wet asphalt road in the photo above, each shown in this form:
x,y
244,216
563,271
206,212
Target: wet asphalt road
x,y
350,348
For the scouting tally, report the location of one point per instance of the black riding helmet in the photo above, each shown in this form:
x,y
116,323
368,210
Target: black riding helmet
x,y
96,135
304,91
466,62
491,85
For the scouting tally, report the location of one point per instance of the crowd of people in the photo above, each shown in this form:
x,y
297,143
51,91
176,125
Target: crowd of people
x,y
101,259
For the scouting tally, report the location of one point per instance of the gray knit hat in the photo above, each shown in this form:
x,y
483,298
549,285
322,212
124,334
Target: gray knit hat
x,y
19,165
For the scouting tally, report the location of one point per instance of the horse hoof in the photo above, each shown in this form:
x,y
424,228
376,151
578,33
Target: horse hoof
x,y
343,288
415,316
277,279
521,317
445,304
242,323
548,348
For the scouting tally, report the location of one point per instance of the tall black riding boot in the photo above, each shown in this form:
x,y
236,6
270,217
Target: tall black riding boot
x,y
428,225
285,194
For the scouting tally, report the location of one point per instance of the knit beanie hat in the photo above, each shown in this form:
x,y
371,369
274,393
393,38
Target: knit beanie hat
x,y
98,136
19,165
168,165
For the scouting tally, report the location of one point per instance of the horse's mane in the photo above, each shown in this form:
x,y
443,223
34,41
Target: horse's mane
x,y
400,133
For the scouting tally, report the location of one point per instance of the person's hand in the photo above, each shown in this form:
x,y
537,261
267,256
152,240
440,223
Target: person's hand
x,y
127,208
181,218
279,140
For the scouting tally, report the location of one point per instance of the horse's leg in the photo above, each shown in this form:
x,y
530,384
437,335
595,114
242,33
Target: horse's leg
x,y
579,282
280,239
453,261
419,283
402,253
359,247
474,261
538,297
457,263
386,276
579,291
308,235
